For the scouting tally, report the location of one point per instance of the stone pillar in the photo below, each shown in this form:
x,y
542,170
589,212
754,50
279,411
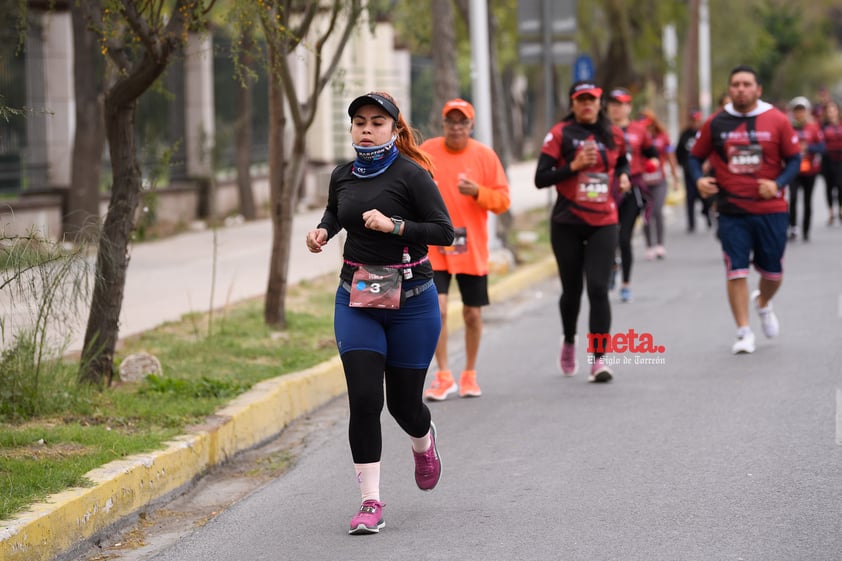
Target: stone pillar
x,y
198,104
50,94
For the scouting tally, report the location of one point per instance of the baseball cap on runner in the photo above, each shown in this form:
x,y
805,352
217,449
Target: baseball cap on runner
x,y
585,88
620,94
459,105
800,101
374,98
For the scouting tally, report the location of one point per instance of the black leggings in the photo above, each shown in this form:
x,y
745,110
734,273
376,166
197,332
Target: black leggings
x,y
693,195
364,374
832,172
805,184
628,212
584,252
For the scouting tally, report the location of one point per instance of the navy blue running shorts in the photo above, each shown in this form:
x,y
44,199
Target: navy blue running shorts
x,y
407,337
759,239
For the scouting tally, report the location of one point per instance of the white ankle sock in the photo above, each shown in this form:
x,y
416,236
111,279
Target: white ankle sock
x,y
422,444
368,477
743,331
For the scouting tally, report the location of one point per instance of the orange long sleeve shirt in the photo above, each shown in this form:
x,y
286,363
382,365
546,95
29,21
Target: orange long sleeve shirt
x,y
481,165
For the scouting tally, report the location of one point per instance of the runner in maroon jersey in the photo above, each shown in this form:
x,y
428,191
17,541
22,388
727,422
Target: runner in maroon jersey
x,y
754,154
582,156
812,147
832,160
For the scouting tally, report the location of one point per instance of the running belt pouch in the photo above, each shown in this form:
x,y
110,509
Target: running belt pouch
x,y
376,287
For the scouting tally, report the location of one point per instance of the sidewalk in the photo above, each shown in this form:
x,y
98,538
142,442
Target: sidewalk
x,y
167,279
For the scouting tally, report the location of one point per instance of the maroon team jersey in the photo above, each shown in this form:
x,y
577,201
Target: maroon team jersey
x,y
585,197
743,148
638,139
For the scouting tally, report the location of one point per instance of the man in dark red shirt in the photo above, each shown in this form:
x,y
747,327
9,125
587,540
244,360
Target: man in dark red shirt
x,y
754,154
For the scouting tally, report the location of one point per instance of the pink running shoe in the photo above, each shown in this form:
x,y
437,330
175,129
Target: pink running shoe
x,y
369,519
428,464
600,372
569,364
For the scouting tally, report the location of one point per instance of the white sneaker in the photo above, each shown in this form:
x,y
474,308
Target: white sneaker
x,y
744,343
768,319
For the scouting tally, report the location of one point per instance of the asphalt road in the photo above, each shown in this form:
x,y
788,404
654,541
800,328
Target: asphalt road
x,y
700,456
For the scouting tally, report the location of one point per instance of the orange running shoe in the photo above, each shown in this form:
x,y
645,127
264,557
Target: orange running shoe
x,y
442,386
468,386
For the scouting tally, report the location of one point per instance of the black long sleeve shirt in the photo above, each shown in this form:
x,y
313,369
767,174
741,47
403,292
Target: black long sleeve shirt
x,y
405,189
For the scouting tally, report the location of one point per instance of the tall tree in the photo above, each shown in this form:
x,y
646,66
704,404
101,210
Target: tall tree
x,y
243,126
322,29
81,220
139,38
444,59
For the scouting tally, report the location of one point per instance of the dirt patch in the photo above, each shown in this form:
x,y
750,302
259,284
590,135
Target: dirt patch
x,y
45,451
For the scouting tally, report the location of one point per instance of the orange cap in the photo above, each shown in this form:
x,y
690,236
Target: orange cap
x,y
460,105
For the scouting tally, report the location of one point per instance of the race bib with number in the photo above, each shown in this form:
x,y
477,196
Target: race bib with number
x,y
460,243
376,287
745,159
592,187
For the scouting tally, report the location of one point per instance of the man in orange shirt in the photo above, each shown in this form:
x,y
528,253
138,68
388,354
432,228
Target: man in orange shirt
x,y
472,182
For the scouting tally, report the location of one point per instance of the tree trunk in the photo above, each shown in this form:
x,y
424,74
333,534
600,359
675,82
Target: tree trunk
x,y
113,256
444,59
274,312
243,133
81,221
616,67
691,61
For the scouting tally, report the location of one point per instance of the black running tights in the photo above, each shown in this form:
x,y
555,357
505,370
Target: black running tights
x,y
628,211
364,374
584,254
803,183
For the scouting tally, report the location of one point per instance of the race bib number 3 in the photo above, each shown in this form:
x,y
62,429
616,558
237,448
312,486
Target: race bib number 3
x,y
376,287
592,187
745,159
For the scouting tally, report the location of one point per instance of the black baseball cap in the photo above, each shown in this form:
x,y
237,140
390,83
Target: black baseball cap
x,y
373,98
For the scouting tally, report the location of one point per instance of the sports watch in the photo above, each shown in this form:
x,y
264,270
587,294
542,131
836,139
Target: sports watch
x,y
397,221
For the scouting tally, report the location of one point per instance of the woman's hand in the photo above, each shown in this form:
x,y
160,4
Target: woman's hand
x,y
316,239
624,183
376,220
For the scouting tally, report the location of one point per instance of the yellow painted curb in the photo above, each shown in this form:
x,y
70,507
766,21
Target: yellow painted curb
x,y
125,487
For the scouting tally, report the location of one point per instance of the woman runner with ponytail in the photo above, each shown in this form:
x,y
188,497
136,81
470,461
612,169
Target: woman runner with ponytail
x,y
386,318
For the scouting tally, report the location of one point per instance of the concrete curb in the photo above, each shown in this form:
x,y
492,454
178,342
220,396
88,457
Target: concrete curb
x,y
123,488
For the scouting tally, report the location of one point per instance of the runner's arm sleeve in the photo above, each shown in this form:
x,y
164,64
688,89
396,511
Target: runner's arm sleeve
x,y
622,166
694,166
817,148
650,152
791,169
432,224
494,199
547,174
330,220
